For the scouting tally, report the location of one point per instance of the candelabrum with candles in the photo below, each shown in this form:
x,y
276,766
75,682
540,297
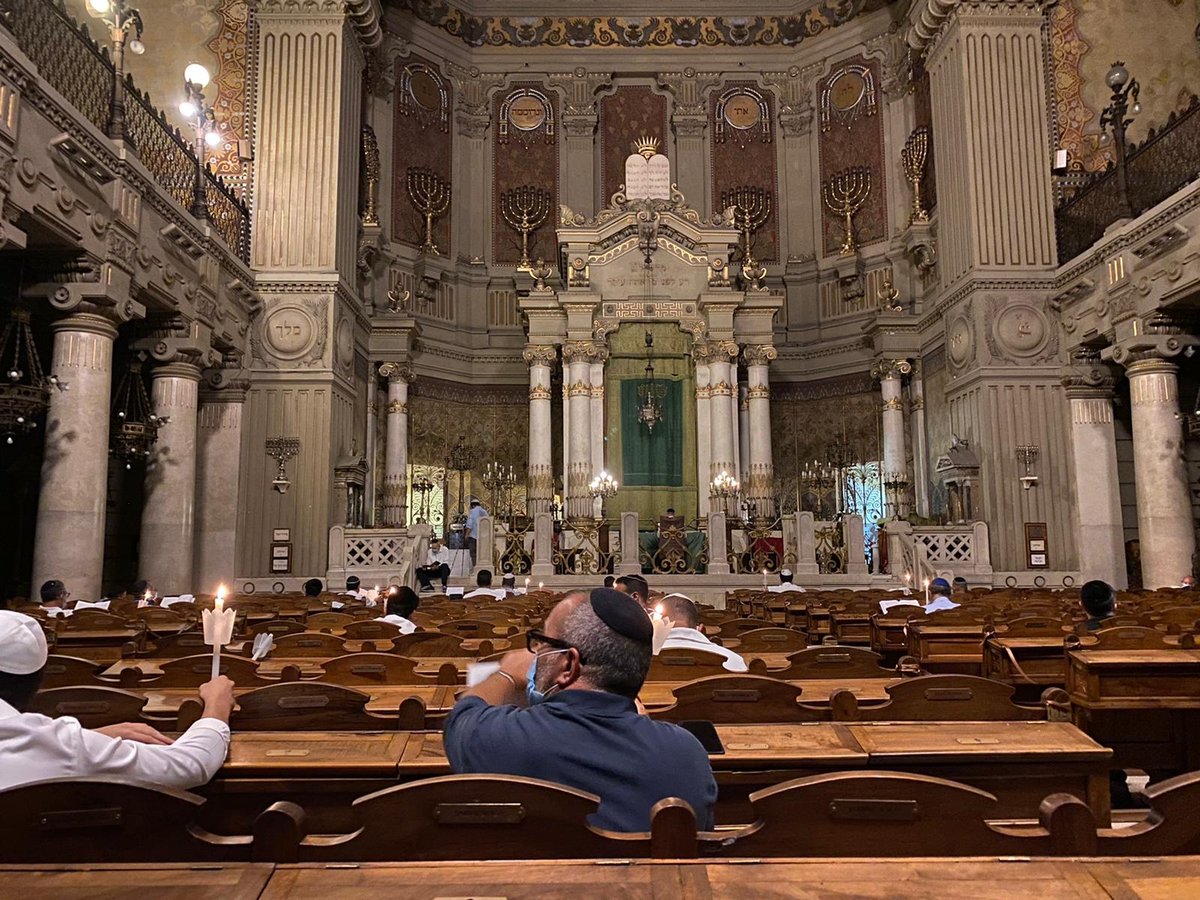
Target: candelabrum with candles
x,y
913,156
602,487
723,492
500,483
422,486
844,194
430,196
218,628
896,485
524,209
751,208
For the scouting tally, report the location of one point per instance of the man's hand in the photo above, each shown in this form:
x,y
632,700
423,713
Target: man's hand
x,y
515,664
498,690
218,698
135,731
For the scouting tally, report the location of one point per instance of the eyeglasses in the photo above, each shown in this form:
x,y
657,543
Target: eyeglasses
x,y
534,637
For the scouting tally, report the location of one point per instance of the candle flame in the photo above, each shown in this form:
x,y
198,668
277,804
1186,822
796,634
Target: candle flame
x,y
220,604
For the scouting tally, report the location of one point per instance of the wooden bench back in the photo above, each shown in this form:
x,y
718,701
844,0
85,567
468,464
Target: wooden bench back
x,y
328,621
193,671
309,643
94,707
371,630
771,640
738,700
939,698
685,665
371,668
311,706
833,661
71,671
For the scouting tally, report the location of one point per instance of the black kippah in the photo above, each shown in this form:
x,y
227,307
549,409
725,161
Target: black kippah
x,y
622,614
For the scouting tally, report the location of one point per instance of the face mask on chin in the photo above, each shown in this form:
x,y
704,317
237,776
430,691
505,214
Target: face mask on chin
x,y
531,692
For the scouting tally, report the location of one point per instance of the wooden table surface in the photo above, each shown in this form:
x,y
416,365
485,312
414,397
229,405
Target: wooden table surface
x,y
386,698
1176,878
325,754
656,694
915,742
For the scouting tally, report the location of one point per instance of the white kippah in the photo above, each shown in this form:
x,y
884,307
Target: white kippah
x,y
22,643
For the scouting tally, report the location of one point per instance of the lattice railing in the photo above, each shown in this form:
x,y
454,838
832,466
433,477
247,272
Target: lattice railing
x,y
228,215
947,548
159,146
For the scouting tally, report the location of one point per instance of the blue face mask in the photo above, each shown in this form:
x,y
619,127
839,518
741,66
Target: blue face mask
x,y
531,692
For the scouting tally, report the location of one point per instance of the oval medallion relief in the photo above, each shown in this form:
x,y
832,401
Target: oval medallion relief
x,y
345,344
958,342
289,331
1021,330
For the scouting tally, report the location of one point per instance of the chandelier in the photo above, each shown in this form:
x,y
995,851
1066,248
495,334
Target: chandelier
x,y
134,430
650,392
25,389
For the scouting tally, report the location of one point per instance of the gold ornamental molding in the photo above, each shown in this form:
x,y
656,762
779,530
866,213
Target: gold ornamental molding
x,y
891,368
760,354
759,392
895,404
540,393
804,20
579,389
397,372
397,406
540,354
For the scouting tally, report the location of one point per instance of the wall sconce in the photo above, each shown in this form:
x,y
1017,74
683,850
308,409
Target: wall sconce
x,y
281,450
1027,455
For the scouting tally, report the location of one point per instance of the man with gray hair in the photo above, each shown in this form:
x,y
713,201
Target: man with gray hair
x,y
564,709
685,633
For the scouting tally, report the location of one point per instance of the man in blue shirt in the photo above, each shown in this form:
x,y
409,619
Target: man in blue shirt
x,y
564,710
471,527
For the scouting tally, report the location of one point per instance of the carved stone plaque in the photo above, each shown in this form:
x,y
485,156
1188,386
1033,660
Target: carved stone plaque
x,y
742,111
527,113
289,332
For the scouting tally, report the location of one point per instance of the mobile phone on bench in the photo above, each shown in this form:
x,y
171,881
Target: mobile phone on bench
x,y
706,734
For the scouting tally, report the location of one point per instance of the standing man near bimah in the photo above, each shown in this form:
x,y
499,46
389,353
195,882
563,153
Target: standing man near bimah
x,y
471,527
564,710
35,748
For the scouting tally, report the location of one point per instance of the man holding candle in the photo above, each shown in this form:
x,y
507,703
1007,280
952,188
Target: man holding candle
x,y
35,747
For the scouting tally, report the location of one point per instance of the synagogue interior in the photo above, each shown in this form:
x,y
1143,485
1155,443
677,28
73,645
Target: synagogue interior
x,y
493,440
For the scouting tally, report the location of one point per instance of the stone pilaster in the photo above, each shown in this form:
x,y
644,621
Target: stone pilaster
x,y
1088,386
395,487
920,442
689,122
540,487
579,120
167,543
218,476
759,486
370,442
69,543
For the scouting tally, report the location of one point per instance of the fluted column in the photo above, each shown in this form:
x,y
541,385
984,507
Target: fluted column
x,y
540,487
700,354
1165,527
1101,537
920,443
395,477
69,544
596,396
168,536
369,443
579,458
218,482
758,397
890,373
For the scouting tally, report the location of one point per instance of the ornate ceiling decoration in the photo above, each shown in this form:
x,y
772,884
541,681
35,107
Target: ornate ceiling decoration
x,y
637,31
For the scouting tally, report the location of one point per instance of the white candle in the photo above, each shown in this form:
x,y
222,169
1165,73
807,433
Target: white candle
x,y
540,584
764,579
218,628
926,591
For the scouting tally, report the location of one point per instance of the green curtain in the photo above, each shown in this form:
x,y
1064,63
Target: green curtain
x,y
652,457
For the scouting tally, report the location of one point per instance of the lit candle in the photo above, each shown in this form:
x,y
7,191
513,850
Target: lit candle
x,y
658,611
146,598
926,591
540,585
764,579
218,628
527,584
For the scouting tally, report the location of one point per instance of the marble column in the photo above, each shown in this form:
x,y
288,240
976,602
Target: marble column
x,y
540,487
69,543
890,373
168,539
598,431
743,434
703,428
759,486
369,444
578,500
1165,527
218,470
920,443
1101,537
724,455
395,477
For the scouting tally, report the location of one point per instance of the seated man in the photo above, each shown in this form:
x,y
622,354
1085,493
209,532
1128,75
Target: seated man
x,y
313,587
685,633
581,727
1099,602
636,587
483,586
54,596
35,748
437,565
402,602
785,583
940,588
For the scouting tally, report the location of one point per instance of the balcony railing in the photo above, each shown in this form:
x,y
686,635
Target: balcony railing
x,y
1166,161
81,70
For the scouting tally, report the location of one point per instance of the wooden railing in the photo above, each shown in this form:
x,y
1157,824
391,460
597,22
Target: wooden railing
x,y
81,70
1166,161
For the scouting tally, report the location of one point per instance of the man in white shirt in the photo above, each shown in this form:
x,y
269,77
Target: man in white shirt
x,y
940,588
402,602
483,587
686,633
471,527
35,748
785,583
437,565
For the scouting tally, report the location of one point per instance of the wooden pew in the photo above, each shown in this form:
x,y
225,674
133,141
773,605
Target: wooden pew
x,y
456,817
939,698
877,814
380,668
371,630
95,707
828,661
769,640
310,706
685,665
739,699
103,820
71,671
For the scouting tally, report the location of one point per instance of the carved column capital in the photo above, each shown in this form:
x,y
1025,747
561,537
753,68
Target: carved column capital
x,y
540,354
584,351
394,372
725,350
886,369
759,354
1087,376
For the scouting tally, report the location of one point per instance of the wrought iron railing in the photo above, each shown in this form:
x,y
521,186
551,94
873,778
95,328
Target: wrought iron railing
x,y
81,70
757,548
1166,161
675,550
585,547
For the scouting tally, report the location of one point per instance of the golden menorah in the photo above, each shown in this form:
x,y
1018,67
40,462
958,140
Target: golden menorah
x,y
430,196
751,209
844,194
913,156
525,208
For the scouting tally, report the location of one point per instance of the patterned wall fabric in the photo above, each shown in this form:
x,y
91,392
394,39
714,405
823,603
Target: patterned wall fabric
x,y
421,138
626,115
857,142
747,158
807,417
524,158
